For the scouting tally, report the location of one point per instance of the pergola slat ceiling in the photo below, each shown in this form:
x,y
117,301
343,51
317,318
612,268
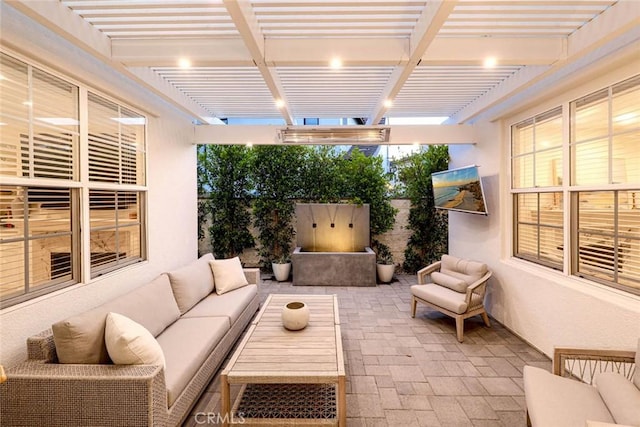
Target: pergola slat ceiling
x,y
295,39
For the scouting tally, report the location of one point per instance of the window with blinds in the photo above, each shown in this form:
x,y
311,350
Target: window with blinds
x,y
602,187
536,162
116,229
604,150
37,240
116,143
41,189
608,237
539,235
604,136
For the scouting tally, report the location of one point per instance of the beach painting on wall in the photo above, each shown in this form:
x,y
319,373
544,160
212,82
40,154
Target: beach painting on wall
x,y
459,190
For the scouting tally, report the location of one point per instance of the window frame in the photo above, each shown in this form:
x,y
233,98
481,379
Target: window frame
x,y
570,191
79,187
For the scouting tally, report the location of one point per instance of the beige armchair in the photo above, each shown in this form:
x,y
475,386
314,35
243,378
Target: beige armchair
x,y
456,288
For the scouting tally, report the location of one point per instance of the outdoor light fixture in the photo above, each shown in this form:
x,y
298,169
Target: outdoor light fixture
x,y
334,135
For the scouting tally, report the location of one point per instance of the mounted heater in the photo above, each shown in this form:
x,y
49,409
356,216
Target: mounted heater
x,y
334,135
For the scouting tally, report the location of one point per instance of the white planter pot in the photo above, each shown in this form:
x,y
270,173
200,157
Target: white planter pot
x,y
385,272
281,271
295,315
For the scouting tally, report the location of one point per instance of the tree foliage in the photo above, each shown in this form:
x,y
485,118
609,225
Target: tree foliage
x,y
277,173
429,238
223,175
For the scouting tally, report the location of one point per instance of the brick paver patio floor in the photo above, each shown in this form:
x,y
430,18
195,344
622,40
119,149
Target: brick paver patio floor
x,y
413,372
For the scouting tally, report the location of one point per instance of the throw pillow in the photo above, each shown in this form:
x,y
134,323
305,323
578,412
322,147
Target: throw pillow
x,y
129,343
228,274
450,282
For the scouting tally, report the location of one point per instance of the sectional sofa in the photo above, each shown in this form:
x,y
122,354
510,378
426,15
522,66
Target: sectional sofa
x,y
71,379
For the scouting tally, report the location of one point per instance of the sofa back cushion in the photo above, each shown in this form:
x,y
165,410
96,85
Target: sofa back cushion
x,y
80,338
621,396
463,269
192,282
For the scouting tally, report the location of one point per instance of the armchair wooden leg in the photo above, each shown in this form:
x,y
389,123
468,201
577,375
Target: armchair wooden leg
x,y
414,303
460,328
485,317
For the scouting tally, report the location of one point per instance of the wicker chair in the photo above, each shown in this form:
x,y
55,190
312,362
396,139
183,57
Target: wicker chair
x,y
456,288
585,389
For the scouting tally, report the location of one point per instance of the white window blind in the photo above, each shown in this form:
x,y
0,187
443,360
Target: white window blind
x,y
536,159
40,221
539,229
116,143
605,134
116,229
608,234
537,151
36,240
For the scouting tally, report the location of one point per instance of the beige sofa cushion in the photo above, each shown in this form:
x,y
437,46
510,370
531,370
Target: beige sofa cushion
x,y
621,396
230,304
80,338
463,269
129,343
554,401
444,297
453,283
192,282
186,344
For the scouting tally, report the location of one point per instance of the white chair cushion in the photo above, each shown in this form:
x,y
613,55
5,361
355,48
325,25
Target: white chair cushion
x,y
463,269
443,297
453,283
228,274
130,343
554,401
621,396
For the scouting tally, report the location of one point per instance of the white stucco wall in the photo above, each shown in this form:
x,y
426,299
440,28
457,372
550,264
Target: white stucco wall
x,y
172,211
544,307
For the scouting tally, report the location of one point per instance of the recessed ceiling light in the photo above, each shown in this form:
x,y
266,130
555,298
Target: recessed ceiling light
x,y
490,62
388,103
184,63
279,103
336,63
28,103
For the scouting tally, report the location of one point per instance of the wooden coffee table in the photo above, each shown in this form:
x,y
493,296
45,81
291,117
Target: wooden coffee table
x,y
270,354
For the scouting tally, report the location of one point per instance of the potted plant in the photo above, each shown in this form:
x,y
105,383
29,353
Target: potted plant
x,y
384,263
276,173
281,268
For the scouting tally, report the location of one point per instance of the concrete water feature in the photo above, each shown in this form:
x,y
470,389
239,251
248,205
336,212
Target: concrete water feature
x,y
332,246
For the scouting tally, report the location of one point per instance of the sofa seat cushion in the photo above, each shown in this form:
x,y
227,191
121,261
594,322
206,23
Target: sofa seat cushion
x,y
186,344
444,297
192,282
554,401
230,304
462,269
80,338
621,396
